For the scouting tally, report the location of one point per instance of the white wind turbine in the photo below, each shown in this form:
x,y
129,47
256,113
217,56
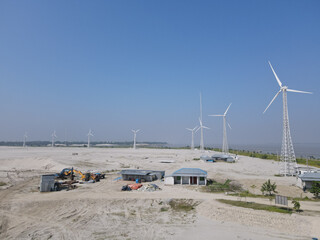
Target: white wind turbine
x,y
225,147
192,135
201,126
135,137
53,137
287,158
90,134
25,136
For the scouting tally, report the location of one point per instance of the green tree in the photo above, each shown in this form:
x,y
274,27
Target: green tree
x,y
296,205
269,187
315,189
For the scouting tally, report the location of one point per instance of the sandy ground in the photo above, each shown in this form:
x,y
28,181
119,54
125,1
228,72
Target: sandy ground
x,y
102,211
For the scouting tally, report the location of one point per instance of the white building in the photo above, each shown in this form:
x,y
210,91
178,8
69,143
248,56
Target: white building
x,y
188,176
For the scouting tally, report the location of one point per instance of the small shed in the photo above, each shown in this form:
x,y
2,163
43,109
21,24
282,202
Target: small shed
x,y
47,183
306,179
142,175
189,176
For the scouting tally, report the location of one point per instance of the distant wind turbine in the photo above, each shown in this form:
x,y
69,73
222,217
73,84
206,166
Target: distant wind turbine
x,y
225,147
90,134
25,136
287,158
53,137
192,135
135,137
201,126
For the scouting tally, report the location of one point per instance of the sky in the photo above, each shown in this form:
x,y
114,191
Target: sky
x,y
113,66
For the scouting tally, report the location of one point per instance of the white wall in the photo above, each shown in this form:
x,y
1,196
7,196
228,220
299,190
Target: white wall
x,y
169,181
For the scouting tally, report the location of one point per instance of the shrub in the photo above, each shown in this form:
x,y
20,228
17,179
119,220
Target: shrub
x,y
315,189
269,187
296,205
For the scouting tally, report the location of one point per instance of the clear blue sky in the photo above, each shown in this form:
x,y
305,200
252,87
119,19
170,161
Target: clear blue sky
x,y
117,65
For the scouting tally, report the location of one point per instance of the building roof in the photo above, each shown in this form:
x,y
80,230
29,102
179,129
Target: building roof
x,y
190,172
139,172
310,176
221,155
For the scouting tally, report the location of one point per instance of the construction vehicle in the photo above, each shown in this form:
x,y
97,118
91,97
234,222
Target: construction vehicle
x,y
71,172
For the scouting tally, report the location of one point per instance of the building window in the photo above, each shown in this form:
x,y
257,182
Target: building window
x,y
201,178
178,178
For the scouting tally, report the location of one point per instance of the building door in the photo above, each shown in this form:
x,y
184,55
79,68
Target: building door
x,y
193,180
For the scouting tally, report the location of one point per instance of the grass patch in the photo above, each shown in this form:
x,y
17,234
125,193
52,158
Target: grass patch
x,y
182,205
278,175
2,184
256,206
196,159
164,209
227,186
124,166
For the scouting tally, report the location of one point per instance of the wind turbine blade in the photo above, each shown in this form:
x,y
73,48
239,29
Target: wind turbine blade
x,y
227,109
200,122
205,127
229,125
189,129
216,115
272,101
197,129
138,130
194,128
297,91
274,73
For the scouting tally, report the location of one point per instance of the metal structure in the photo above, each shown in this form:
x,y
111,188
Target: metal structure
x,y
201,126
135,137
90,134
288,163
225,147
53,137
25,136
192,136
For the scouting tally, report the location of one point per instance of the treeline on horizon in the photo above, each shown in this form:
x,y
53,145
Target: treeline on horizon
x,y
46,143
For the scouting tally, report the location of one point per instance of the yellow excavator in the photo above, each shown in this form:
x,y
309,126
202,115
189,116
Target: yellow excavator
x,y
70,172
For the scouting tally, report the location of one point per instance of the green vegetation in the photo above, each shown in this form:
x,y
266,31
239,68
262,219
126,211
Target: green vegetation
x,y
296,205
315,189
2,184
256,206
227,186
182,205
196,159
164,209
268,187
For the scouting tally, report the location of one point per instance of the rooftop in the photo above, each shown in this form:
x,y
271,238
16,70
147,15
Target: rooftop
x,y
190,172
139,172
310,176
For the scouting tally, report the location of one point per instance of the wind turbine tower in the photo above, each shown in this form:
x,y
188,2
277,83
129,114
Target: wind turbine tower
x,y
25,136
135,137
288,161
201,126
90,134
225,147
192,135
53,137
